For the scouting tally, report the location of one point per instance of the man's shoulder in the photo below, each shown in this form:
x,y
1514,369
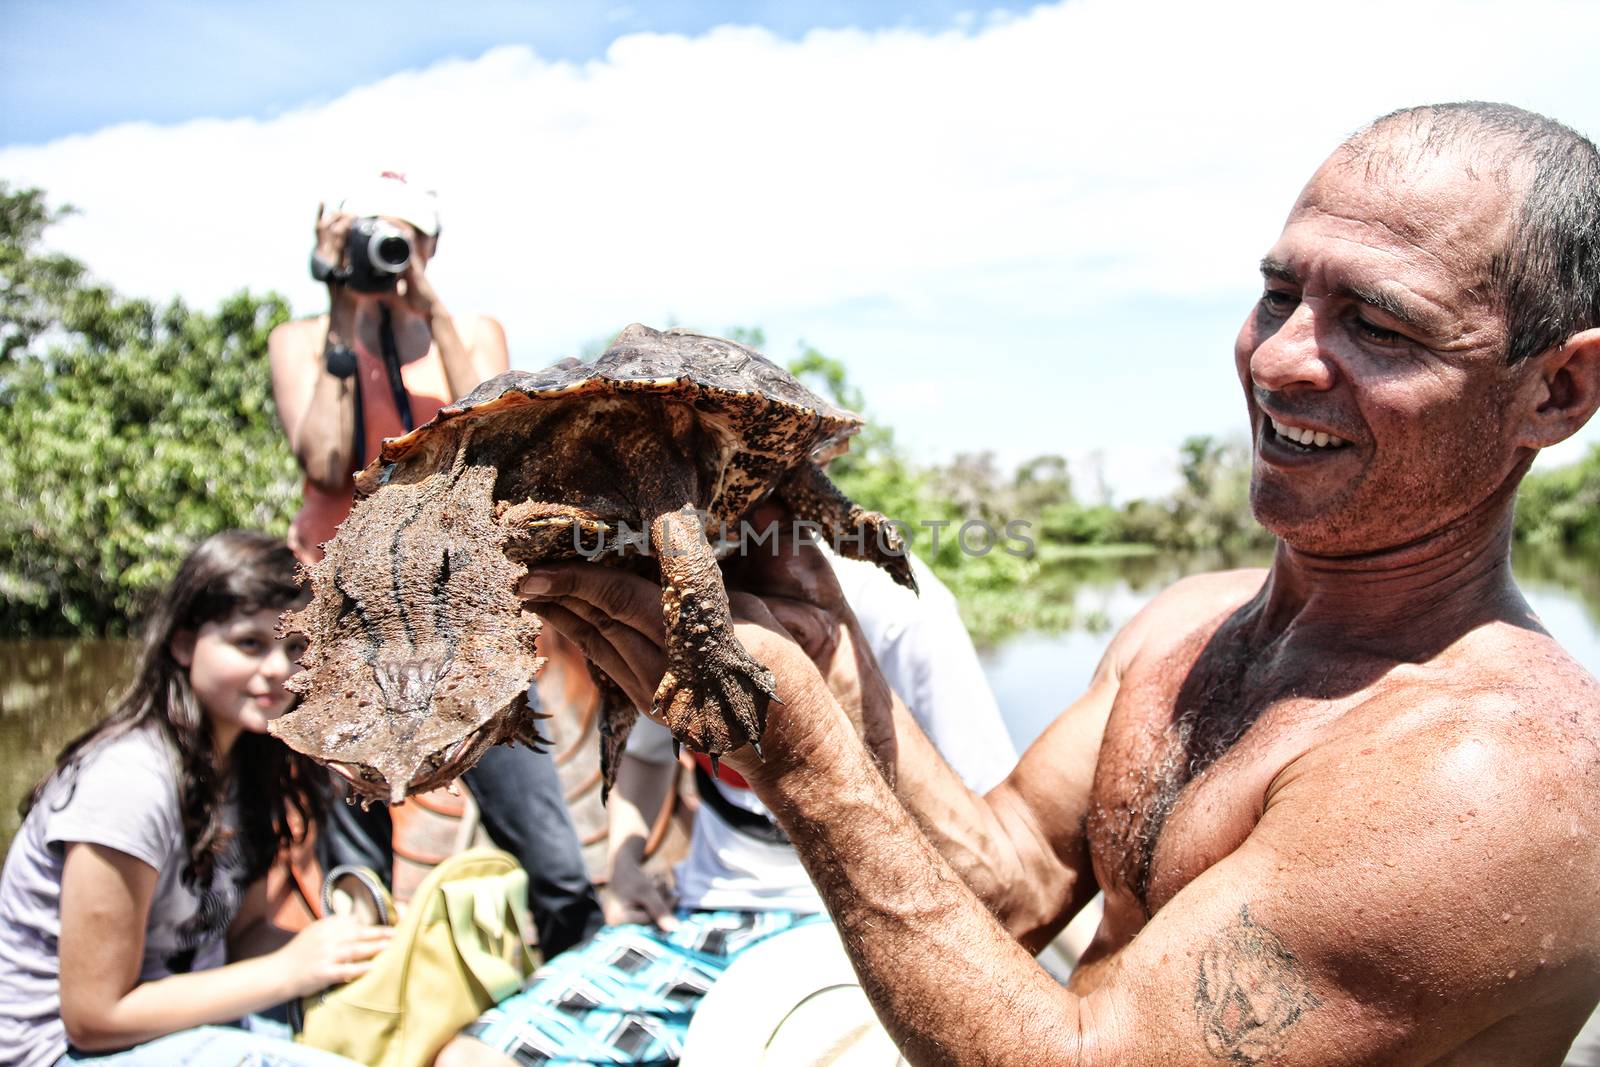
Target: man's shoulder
x,y
1508,670
1507,756
1211,591
1194,604
1464,822
1503,719
1179,617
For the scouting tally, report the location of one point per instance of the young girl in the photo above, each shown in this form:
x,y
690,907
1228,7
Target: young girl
x,y
139,868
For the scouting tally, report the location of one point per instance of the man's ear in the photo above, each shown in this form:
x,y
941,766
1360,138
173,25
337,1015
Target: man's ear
x,y
182,648
1566,390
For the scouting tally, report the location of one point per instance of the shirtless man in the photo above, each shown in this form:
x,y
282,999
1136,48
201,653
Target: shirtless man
x,y
1346,810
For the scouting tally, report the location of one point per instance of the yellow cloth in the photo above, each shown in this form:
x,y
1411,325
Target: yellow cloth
x,y
458,949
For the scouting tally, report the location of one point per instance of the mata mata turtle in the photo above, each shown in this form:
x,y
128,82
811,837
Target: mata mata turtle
x,y
420,652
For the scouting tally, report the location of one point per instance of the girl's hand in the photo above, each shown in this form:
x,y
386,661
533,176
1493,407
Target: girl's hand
x,y
329,952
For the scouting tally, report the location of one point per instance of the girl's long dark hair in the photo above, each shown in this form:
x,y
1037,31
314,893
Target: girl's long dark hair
x,y
280,792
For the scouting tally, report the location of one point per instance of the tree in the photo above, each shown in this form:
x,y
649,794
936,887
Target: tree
x,y
1042,482
130,432
1211,509
973,484
1562,506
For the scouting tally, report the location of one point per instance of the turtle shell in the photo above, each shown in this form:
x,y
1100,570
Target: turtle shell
x,y
762,408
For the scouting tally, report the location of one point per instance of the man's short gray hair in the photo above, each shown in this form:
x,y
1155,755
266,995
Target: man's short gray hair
x,y
1546,280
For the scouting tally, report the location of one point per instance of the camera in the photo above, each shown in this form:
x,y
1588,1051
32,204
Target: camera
x,y
377,252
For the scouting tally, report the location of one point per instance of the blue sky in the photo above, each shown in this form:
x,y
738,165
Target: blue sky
x,y
1025,230
73,67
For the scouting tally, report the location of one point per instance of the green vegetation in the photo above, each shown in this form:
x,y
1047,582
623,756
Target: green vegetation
x,y
1025,582
1562,506
130,431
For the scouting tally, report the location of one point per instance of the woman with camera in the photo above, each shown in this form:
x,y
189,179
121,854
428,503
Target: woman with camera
x,y
386,356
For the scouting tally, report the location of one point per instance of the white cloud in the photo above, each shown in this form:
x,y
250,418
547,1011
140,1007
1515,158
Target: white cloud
x,y
1009,181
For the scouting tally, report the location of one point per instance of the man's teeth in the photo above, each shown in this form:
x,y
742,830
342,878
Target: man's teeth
x,y
1310,438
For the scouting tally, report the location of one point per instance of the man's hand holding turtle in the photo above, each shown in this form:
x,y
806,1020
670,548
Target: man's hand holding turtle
x,y
615,618
798,586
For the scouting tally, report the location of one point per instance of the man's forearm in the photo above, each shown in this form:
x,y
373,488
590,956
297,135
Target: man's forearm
x,y
977,837
951,985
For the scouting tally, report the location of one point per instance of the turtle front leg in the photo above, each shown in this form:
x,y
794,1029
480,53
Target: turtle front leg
x,y
714,696
852,530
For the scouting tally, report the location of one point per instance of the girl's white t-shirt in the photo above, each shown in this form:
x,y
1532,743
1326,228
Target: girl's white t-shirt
x,y
122,795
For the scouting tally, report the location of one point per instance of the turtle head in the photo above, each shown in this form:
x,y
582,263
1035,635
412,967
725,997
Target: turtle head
x,y
419,655
408,722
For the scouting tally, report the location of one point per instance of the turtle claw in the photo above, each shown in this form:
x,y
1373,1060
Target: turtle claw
x,y
616,723
715,769
719,703
751,714
527,732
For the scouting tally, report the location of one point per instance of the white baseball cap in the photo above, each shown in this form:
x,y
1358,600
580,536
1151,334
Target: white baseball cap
x,y
390,194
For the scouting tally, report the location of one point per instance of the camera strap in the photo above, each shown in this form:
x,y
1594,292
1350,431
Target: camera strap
x,y
391,363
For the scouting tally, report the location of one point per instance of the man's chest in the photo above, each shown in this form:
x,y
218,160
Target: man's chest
x,y
1186,765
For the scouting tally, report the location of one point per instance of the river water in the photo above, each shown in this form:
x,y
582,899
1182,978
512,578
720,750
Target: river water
x,y
52,690
1036,675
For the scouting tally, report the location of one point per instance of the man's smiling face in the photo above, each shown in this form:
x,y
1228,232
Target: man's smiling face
x,y
1374,363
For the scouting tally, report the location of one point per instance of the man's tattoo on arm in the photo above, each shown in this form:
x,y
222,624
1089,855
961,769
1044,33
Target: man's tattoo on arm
x,y
1249,993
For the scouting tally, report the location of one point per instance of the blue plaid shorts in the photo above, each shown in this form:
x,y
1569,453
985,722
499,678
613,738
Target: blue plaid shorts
x,y
627,995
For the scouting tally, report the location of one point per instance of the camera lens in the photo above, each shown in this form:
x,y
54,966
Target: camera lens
x,y
378,253
393,252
